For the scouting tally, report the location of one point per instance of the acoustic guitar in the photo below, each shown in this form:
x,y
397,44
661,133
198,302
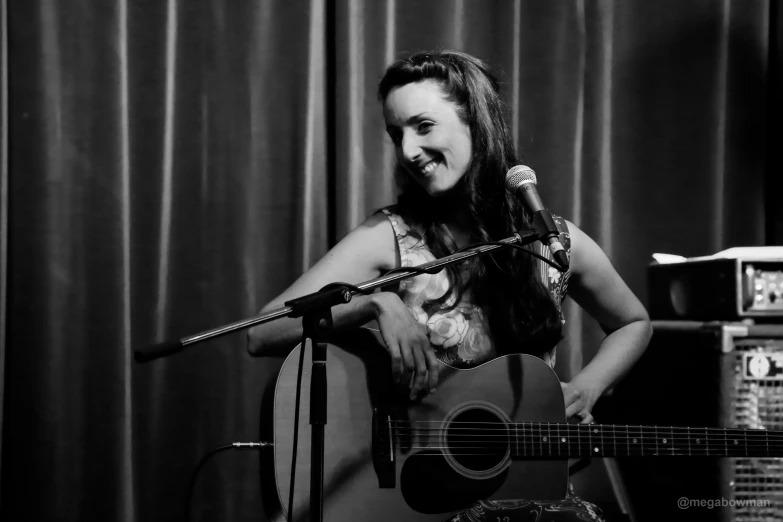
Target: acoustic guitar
x,y
497,431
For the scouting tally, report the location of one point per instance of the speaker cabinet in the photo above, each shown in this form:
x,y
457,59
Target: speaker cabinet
x,y
714,374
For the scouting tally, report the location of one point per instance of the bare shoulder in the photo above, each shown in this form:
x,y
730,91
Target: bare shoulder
x,y
372,244
597,287
363,254
583,250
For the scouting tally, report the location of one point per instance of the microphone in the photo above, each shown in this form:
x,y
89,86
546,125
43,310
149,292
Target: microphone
x,y
521,181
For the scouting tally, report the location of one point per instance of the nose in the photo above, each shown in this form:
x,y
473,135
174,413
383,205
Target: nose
x,y
410,148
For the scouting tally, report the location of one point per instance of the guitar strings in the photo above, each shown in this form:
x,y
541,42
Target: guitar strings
x,y
555,438
573,434
662,451
555,435
580,449
624,447
651,451
553,456
627,443
666,442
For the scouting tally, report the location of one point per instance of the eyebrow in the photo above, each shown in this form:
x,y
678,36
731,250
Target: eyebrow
x,y
412,119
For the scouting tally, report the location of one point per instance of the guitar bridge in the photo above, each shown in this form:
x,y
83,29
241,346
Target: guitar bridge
x,y
383,449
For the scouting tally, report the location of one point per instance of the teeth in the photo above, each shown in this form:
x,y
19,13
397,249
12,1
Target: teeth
x,y
429,167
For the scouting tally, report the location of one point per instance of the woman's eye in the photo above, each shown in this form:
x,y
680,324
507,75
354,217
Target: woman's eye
x,y
425,126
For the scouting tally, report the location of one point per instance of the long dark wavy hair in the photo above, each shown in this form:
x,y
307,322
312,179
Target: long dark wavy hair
x,y
521,313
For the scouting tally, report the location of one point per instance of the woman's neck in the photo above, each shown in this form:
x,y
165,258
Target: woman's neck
x,y
450,208
451,211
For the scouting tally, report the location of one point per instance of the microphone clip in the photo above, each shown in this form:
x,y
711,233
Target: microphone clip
x,y
549,235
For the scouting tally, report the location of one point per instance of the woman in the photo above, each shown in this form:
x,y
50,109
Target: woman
x,y
444,114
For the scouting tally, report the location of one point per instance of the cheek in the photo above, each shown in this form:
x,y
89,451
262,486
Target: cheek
x,y
462,145
464,152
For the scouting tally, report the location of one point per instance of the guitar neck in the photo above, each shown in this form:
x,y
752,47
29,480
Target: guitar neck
x,y
534,439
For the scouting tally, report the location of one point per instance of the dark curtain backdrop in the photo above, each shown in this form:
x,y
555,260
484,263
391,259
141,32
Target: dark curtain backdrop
x,y
172,165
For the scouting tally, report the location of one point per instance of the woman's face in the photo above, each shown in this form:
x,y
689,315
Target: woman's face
x,y
432,143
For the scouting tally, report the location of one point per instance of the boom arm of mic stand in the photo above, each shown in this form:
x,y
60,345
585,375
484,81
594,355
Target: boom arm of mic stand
x,y
170,347
298,307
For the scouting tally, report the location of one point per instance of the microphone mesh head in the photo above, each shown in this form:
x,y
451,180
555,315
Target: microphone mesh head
x,y
519,175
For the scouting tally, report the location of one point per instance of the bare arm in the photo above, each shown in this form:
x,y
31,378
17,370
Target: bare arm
x,y
362,255
597,287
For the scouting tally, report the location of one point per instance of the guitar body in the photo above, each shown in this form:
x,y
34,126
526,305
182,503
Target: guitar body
x,y
386,456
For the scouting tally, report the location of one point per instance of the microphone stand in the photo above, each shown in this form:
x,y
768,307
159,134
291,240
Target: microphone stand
x,y
316,312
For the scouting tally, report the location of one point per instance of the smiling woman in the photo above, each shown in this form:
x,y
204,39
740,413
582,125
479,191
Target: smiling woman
x,y
431,139
444,114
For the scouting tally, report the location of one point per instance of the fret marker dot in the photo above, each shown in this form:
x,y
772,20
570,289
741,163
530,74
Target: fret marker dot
x,y
544,439
595,430
698,441
735,442
596,450
563,439
634,441
664,441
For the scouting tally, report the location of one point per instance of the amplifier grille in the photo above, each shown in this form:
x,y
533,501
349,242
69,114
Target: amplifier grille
x,y
757,483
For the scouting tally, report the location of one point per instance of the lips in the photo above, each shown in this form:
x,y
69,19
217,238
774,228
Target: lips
x,y
425,169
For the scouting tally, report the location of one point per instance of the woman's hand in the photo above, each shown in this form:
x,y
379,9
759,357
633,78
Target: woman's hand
x,y
579,402
406,340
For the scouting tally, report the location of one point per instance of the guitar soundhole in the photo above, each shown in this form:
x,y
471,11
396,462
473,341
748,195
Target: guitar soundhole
x,y
477,439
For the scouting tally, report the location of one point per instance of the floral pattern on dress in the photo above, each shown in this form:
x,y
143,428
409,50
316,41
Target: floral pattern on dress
x,y
459,337
448,329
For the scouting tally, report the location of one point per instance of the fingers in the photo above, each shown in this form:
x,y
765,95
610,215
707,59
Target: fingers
x,y
573,409
420,377
577,407
577,412
429,380
408,358
396,359
583,417
410,363
434,368
413,360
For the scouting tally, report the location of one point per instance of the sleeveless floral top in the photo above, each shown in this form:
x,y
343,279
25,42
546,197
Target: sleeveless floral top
x,y
460,337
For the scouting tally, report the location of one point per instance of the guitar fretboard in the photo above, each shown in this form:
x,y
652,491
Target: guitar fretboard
x,y
534,439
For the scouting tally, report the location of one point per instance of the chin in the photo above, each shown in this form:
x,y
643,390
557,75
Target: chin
x,y
436,190
436,193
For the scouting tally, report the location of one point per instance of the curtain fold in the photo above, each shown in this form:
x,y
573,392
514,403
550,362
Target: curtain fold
x,y
165,170
3,213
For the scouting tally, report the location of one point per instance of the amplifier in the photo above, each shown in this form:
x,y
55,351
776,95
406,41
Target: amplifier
x,y
716,289
714,374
